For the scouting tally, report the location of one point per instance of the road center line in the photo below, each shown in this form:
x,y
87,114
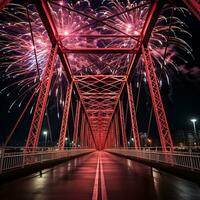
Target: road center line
x,y
103,186
96,183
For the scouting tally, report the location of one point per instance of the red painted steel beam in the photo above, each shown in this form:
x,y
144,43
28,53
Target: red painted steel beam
x,y
3,3
82,132
117,129
114,138
150,21
64,125
163,128
85,135
40,107
100,50
133,116
122,123
76,123
46,17
96,36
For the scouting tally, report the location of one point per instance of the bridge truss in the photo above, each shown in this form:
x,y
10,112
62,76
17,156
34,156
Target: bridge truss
x,y
99,117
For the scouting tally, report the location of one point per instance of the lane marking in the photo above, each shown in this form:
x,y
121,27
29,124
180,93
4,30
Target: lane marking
x,y
96,182
103,185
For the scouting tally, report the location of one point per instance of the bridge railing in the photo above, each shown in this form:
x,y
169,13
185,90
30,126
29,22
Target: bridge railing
x,y
15,158
189,160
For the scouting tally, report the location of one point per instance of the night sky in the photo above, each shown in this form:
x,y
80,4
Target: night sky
x,y
181,100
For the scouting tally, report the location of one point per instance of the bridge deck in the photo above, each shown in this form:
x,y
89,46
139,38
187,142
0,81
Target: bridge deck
x,y
100,175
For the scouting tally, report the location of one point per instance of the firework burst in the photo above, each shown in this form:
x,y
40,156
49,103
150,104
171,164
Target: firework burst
x,y
18,61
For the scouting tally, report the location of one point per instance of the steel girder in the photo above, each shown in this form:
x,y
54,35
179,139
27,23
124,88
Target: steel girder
x,y
47,19
163,128
64,125
34,132
76,123
82,132
100,94
100,50
122,123
148,26
133,116
117,131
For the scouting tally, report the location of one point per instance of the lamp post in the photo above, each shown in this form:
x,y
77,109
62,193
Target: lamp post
x,y
194,126
45,133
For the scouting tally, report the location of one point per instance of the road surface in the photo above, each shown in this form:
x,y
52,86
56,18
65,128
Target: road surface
x,y
97,176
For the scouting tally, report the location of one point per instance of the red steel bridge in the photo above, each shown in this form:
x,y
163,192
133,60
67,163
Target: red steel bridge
x,y
99,118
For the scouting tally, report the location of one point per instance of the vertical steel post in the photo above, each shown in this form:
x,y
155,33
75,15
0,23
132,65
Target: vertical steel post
x,y
163,128
114,140
123,128
76,123
82,130
133,116
34,132
117,129
86,134
114,134
64,125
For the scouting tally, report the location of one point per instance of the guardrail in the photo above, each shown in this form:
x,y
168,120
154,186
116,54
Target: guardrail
x,y
188,160
11,159
193,149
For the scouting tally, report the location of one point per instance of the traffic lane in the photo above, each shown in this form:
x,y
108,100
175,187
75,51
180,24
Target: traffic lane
x,y
127,179
71,180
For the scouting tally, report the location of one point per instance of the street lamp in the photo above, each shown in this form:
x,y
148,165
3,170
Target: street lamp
x,y
149,142
45,133
194,124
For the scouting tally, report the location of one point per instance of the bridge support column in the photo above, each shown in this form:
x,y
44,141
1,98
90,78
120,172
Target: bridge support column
x,y
123,128
35,129
163,128
117,130
64,125
113,141
133,116
82,130
86,134
76,123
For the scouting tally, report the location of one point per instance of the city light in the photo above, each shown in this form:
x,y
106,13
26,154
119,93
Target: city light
x,y
193,120
45,132
149,140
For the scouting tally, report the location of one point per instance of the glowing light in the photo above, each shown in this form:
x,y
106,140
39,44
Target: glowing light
x,y
45,132
20,62
193,120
